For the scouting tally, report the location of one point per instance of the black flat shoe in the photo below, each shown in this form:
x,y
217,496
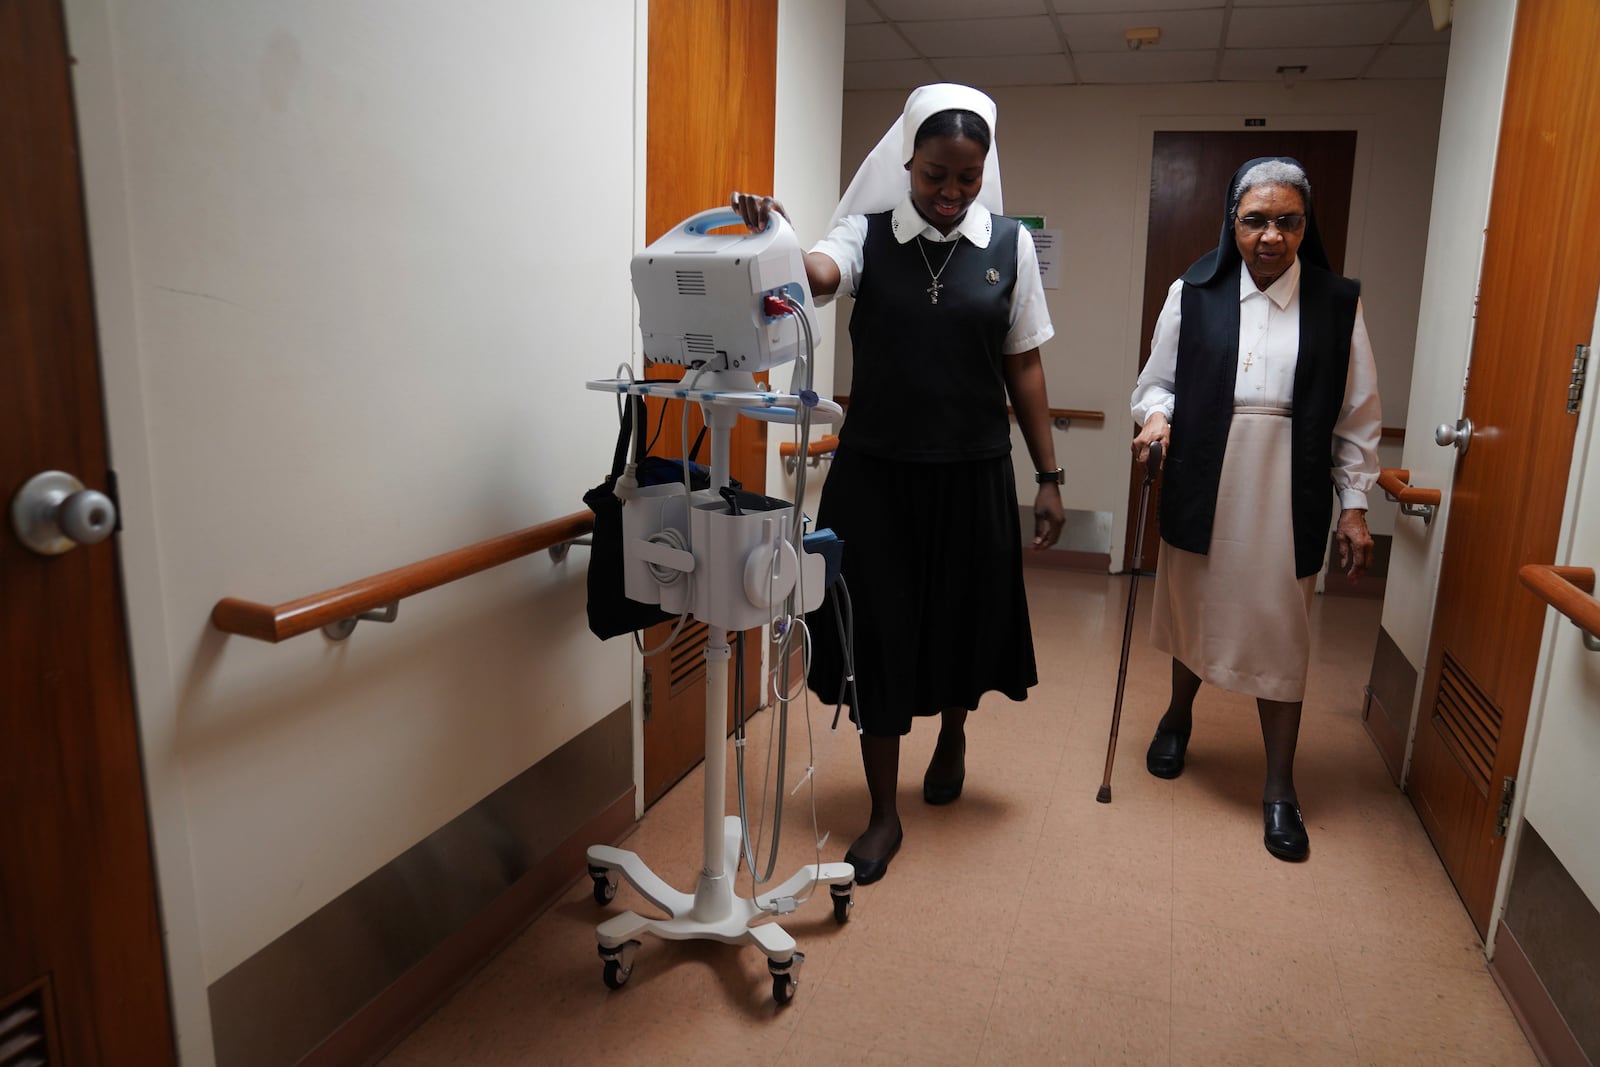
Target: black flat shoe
x,y
1165,757
934,792
869,871
1285,835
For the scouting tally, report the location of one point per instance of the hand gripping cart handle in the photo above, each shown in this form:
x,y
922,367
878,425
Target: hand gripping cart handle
x,y
1152,467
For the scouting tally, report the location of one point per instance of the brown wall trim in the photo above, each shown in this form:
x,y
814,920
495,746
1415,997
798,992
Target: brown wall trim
x,y
1552,1039
438,908
404,1006
1391,689
1067,560
1555,928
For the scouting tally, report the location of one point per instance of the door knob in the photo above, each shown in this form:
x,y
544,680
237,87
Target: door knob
x,y
1459,435
54,513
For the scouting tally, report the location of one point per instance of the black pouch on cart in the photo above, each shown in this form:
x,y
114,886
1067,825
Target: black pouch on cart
x,y
611,612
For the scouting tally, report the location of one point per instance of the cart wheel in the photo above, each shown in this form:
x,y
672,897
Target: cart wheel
x,y
616,976
843,901
605,889
785,976
618,960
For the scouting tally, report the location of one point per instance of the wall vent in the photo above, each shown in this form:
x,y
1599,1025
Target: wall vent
x,y
689,656
1468,722
24,1032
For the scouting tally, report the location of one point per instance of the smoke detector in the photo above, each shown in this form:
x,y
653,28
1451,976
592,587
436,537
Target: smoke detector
x,y
1141,36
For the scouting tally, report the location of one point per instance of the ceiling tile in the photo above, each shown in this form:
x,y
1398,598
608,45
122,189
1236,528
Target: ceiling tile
x,y
1244,65
892,74
1180,30
1324,26
1008,70
1145,67
876,41
926,10
1300,3
857,12
984,37
1411,61
1119,7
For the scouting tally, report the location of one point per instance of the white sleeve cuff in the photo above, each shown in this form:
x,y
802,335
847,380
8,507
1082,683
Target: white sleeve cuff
x,y
1353,498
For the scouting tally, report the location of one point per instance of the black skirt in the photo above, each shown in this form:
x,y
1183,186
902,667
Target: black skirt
x,y
933,566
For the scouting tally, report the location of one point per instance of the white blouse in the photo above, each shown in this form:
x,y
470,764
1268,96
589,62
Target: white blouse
x,y
1030,317
1269,346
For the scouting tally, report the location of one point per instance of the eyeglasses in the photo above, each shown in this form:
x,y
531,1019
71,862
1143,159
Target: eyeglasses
x,y
1259,223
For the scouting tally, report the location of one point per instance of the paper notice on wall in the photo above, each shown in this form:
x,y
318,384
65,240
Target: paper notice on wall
x,y
1047,243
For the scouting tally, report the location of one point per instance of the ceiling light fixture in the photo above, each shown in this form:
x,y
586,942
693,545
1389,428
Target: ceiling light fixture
x,y
1139,37
1290,75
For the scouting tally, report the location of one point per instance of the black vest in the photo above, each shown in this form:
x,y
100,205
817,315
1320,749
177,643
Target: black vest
x,y
928,383
1208,362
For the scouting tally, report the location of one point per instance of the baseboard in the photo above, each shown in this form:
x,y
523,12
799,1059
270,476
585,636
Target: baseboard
x,y
348,980
1067,560
1386,712
1552,1039
398,1010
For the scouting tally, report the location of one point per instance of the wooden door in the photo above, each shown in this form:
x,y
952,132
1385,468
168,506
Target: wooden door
x,y
81,970
1189,173
712,108
1541,268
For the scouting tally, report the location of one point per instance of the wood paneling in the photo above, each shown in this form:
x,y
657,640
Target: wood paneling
x,y
1189,174
711,125
1541,269
77,893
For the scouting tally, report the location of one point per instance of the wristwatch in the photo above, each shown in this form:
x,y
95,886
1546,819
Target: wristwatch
x,y
1055,477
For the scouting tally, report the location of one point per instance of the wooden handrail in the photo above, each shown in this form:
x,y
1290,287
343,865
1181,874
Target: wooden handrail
x,y
1570,590
1396,481
820,447
266,622
1075,414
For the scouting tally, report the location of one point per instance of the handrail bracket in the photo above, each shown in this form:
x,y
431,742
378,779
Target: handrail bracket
x,y
343,628
559,552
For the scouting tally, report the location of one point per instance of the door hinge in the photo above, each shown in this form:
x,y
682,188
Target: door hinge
x,y
1580,371
649,695
1502,819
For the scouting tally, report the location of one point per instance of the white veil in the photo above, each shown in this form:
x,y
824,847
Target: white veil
x,y
881,182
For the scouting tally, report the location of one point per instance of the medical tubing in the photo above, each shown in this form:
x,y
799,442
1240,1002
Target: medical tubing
x,y
847,642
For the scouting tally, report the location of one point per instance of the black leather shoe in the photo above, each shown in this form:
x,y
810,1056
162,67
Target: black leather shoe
x,y
1165,757
1285,835
869,871
935,792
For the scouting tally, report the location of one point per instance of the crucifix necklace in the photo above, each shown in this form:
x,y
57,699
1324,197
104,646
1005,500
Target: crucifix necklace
x,y
1250,354
933,290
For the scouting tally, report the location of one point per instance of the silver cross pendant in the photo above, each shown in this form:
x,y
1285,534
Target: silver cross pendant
x,y
933,291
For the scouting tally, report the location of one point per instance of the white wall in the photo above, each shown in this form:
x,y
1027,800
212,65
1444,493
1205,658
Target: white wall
x,y
353,264
1469,131
806,177
1081,157
1564,719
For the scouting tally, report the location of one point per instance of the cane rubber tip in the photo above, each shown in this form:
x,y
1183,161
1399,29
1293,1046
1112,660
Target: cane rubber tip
x,y
1104,796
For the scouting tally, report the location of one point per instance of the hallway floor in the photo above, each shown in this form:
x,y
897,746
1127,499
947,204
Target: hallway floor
x,y
1027,923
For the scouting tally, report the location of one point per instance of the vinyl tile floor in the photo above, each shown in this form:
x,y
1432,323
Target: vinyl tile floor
x,y
1027,923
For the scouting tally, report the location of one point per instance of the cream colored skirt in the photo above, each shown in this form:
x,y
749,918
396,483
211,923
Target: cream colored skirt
x,y
1238,617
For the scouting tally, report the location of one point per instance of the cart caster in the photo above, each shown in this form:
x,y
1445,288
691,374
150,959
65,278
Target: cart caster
x,y
785,977
618,960
843,901
605,886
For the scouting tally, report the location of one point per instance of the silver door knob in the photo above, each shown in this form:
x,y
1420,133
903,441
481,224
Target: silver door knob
x,y
54,513
1459,435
